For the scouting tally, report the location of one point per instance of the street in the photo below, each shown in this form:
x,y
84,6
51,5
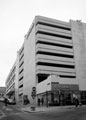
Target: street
x,y
14,113
9,110
69,114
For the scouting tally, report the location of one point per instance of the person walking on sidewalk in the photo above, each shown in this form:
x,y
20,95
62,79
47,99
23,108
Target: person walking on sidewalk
x,y
76,102
38,102
5,101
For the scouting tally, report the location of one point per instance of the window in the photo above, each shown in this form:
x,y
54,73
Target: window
x,y
21,78
21,71
56,65
42,77
55,44
21,86
52,25
55,54
53,34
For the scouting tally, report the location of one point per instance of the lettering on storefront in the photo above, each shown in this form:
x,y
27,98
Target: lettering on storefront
x,y
56,87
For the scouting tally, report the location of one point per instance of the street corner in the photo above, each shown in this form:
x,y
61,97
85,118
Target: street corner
x,y
1,114
7,108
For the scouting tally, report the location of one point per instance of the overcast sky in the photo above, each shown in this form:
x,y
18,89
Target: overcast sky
x,y
16,17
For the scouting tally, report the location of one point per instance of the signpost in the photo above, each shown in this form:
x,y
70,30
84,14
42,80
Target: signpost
x,y
33,94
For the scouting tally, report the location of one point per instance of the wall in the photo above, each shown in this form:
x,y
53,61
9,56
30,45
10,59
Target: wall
x,y
44,86
54,48
16,78
79,43
29,63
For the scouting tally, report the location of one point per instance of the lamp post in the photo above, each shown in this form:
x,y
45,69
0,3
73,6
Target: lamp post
x,y
47,98
60,98
33,94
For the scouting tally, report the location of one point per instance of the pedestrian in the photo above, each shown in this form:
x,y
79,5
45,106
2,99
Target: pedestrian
x,y
5,101
76,102
38,102
42,101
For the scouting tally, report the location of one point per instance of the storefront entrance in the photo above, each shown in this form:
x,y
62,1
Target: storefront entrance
x,y
55,98
59,95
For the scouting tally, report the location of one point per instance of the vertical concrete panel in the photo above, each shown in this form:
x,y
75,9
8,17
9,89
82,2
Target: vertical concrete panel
x,y
16,78
29,64
79,43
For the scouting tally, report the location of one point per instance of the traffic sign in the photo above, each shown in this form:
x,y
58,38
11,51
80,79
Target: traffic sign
x,y
33,88
33,93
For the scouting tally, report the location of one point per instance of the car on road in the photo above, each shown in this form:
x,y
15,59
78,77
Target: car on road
x,y
11,101
1,99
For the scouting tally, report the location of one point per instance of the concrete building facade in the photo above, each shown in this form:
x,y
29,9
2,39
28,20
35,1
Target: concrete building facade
x,y
52,59
2,92
10,82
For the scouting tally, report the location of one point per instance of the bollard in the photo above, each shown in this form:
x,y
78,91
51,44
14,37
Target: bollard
x,y
32,108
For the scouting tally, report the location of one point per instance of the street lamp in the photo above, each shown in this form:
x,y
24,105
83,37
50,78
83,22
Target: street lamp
x,y
47,98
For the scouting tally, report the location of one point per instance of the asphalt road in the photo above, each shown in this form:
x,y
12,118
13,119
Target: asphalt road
x,y
9,110
69,114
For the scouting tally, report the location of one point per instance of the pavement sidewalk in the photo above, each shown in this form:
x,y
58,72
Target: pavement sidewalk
x,y
45,109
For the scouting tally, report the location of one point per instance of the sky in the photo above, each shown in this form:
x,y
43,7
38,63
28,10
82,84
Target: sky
x,y
16,17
